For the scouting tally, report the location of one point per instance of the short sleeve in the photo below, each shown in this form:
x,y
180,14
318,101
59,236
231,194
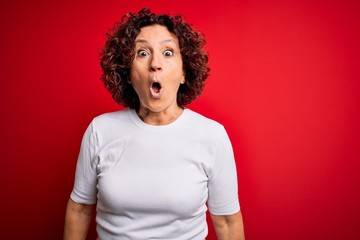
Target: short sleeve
x,y
223,186
85,190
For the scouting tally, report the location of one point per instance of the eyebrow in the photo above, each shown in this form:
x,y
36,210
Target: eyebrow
x,y
163,41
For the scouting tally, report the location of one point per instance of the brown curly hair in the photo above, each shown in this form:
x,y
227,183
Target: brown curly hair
x,y
118,55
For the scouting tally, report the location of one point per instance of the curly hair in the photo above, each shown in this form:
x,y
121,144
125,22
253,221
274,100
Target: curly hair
x,y
118,54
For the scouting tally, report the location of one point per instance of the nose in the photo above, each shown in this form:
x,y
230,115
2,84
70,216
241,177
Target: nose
x,y
155,64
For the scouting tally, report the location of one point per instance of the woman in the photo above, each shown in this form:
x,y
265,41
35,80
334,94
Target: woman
x,y
154,168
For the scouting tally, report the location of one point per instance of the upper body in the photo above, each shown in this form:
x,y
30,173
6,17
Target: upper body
x,y
153,182
152,169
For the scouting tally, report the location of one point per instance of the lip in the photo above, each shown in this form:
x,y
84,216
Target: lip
x,y
156,93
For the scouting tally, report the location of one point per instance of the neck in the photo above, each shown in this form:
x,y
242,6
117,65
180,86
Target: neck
x,y
159,118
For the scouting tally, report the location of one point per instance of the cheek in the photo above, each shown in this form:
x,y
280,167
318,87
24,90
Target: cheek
x,y
138,83
135,73
140,68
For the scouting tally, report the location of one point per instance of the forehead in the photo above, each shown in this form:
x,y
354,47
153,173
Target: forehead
x,y
155,33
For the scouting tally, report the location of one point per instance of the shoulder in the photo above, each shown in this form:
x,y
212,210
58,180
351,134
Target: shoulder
x,y
112,120
121,115
203,121
205,125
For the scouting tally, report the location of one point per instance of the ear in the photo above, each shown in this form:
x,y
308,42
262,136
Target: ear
x,y
183,79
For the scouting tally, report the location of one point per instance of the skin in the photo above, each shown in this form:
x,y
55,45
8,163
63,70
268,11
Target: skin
x,y
229,227
157,59
77,220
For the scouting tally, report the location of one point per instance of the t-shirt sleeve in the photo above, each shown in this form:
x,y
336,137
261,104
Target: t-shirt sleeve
x,y
85,190
223,187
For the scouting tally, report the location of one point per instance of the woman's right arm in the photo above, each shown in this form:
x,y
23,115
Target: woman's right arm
x,y
77,220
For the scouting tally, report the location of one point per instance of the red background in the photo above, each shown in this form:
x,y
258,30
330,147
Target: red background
x,y
285,83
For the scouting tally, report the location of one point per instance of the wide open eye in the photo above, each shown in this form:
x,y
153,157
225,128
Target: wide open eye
x,y
142,53
168,53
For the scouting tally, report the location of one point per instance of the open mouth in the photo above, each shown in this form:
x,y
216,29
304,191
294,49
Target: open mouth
x,y
156,86
156,90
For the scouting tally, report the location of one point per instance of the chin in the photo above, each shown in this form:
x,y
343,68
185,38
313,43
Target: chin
x,y
157,109
158,106
154,108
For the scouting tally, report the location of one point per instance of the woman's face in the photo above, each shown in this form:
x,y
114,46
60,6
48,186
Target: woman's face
x,y
157,70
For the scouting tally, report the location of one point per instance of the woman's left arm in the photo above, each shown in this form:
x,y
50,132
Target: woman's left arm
x,y
229,227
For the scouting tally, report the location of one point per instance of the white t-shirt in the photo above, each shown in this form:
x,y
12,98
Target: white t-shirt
x,y
155,182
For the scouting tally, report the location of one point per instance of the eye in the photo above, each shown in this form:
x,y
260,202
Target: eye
x,y
168,53
142,53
